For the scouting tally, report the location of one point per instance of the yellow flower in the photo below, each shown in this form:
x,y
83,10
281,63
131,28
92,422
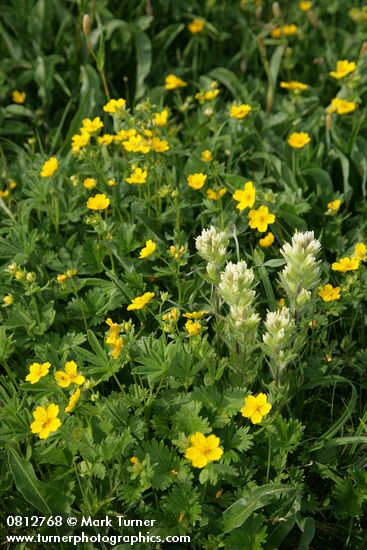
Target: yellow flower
x,y
360,251
159,145
71,272
98,202
196,181
8,300
297,140
148,249
246,196
74,398
37,371
203,449
193,328
290,30
334,206
267,240
114,105
61,278
206,156
195,314
134,460
69,375
281,302
329,293
342,106
172,315
125,134
111,183
216,195
92,126
49,167
89,183
305,5
172,82
117,347
138,176
239,111
106,139
176,251
256,407
18,97
196,26
261,218
136,144
140,301
343,68
160,119
114,327
345,264
277,32
4,194
12,184
78,141
209,95
46,421
294,85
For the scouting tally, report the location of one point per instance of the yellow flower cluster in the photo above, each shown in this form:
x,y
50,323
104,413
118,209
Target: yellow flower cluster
x,y
114,339
285,30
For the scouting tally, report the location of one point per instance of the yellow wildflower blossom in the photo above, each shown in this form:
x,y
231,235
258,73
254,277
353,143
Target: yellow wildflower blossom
x,y
92,126
74,398
206,156
297,140
46,421
160,119
333,206
148,249
172,82
239,111
196,26
49,167
203,449
37,371
305,5
195,314
216,195
360,251
78,141
89,183
342,106
140,301
159,145
69,375
260,219
345,264
193,328
8,300
209,95
114,106
106,139
138,176
111,183
18,97
196,181
329,293
136,144
246,196
294,85
343,68
171,315
256,407
267,241
98,202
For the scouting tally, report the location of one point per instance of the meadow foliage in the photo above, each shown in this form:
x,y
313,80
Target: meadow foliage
x,y
183,278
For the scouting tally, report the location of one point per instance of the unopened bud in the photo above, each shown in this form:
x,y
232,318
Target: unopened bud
x,y
328,121
86,24
277,12
363,49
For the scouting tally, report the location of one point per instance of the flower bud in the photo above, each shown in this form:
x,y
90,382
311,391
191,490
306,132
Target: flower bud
x,y
86,24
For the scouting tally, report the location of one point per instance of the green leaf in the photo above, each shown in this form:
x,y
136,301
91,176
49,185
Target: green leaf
x,y
45,497
236,514
143,48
